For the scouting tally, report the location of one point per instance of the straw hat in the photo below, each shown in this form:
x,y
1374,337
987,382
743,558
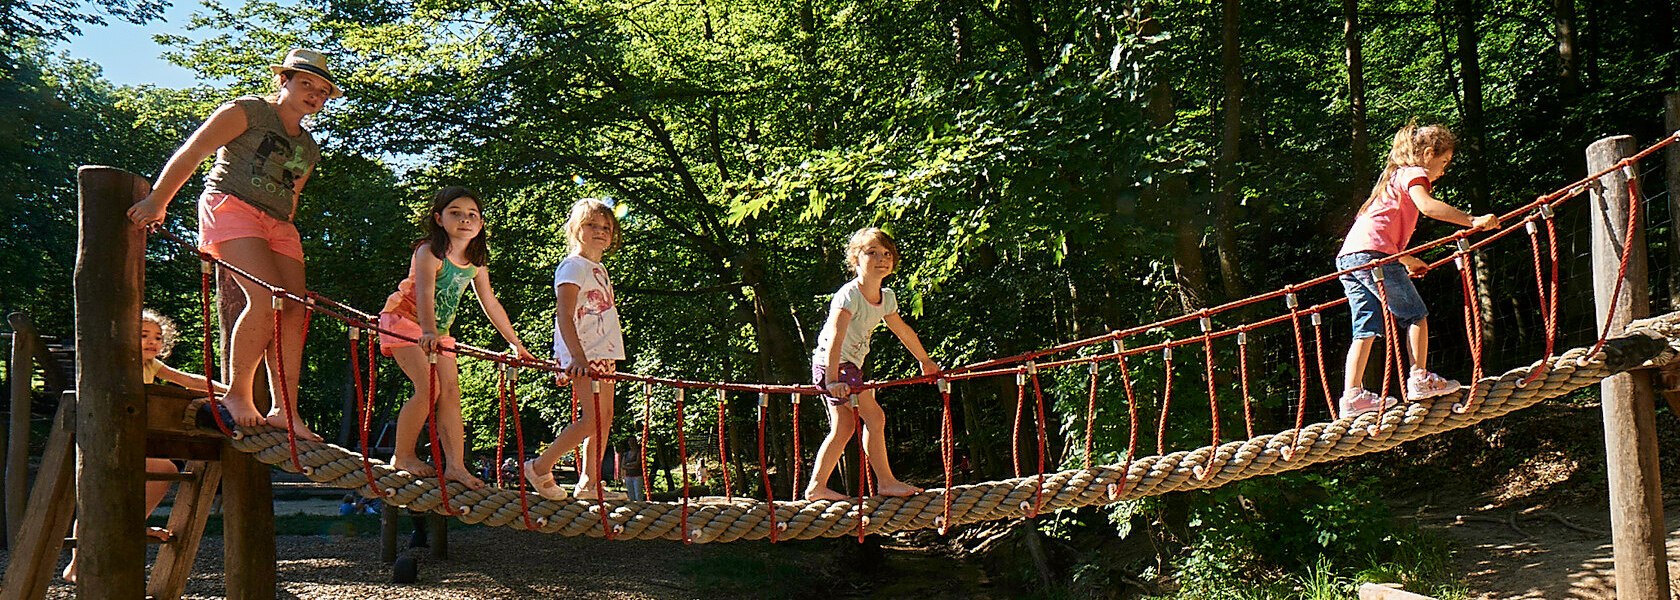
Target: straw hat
x,y
308,61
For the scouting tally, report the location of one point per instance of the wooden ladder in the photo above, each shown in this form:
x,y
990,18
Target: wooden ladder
x,y
52,500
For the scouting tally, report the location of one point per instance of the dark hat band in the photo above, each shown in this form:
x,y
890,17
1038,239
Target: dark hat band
x,y
311,69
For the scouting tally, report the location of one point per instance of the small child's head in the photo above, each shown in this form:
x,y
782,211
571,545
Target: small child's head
x,y
871,247
452,207
1429,146
592,222
157,335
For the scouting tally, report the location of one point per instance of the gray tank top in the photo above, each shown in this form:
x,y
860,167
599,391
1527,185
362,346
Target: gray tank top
x,y
261,165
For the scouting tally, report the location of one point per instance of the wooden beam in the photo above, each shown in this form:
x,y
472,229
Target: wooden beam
x,y
186,526
110,424
35,555
19,371
1628,401
1372,591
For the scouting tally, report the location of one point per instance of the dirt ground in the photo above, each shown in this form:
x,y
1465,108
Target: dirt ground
x,y
1541,557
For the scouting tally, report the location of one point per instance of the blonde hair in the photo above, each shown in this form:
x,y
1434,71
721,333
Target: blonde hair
x,y
1413,145
166,330
862,238
582,210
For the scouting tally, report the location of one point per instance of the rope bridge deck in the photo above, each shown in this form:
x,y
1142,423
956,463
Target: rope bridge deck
x,y
1650,342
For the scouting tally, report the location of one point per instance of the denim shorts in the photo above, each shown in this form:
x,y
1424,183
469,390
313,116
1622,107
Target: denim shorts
x,y
1361,290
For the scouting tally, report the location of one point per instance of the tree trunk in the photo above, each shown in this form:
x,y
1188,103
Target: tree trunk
x,y
1173,192
1224,218
1361,150
1569,64
1472,150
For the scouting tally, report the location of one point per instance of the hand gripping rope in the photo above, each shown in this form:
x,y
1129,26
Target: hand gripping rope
x,y
764,463
1202,472
1472,322
1166,401
206,270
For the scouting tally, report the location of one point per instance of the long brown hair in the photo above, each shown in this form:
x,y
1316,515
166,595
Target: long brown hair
x,y
478,251
1412,146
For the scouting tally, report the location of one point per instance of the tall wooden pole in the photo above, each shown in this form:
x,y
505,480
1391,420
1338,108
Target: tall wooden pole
x,y
1630,441
1671,160
248,551
21,371
111,402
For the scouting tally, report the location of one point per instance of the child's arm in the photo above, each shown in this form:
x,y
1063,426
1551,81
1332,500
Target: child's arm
x,y
498,315
911,342
223,125
1441,211
838,321
565,302
188,380
424,269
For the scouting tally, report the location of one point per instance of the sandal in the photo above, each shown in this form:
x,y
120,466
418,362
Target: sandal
x,y
589,495
543,483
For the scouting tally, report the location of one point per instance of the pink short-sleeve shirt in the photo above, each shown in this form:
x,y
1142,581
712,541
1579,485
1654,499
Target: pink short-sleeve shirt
x,y
1386,225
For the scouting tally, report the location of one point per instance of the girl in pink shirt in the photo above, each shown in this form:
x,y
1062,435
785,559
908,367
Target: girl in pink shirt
x,y
1383,228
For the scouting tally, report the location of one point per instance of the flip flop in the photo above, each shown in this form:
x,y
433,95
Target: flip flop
x,y
543,483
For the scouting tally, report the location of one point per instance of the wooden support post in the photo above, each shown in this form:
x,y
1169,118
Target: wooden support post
x,y
34,556
110,406
21,371
439,536
389,516
1671,170
1628,399
247,490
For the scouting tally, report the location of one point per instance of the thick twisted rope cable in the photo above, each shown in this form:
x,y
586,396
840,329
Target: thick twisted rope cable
x,y
1655,340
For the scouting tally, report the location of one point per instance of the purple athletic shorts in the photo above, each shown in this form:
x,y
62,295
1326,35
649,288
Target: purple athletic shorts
x,y
850,375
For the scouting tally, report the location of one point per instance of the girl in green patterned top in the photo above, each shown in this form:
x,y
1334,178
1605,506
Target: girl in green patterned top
x,y
451,256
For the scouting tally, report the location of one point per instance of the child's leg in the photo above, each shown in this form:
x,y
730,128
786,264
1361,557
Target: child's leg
x,y
875,441
156,490
1418,335
451,432
575,432
595,436
840,430
1358,354
293,317
414,412
253,330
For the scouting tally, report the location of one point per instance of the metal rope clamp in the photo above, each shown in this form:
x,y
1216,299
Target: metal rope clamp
x,y
1462,261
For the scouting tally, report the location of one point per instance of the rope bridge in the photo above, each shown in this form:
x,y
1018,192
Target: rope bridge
x,y
1653,342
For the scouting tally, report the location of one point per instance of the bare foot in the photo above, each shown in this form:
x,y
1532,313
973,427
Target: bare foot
x,y
159,533
823,493
461,474
898,488
244,412
413,465
299,428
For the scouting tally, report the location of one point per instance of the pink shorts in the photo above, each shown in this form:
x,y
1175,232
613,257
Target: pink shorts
x,y
404,326
223,217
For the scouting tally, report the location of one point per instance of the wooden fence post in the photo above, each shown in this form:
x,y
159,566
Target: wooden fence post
x,y
21,371
111,402
1628,400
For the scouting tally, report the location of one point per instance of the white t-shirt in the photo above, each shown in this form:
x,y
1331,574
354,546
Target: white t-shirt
x,y
865,317
596,313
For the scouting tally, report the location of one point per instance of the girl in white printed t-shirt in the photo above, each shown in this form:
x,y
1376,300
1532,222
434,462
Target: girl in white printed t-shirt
x,y
588,342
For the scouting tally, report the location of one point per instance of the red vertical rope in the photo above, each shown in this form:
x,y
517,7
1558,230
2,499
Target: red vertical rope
x,y
947,453
432,432
1166,403
206,270
363,408
682,457
1090,414
1038,476
764,464
863,466
286,405
647,424
1627,250
1472,325
1294,305
600,461
1213,395
1132,415
1015,436
501,423
798,491
1545,312
1323,377
1242,370
1391,345
519,437
723,443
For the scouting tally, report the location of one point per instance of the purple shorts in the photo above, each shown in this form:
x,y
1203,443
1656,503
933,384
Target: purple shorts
x,y
850,375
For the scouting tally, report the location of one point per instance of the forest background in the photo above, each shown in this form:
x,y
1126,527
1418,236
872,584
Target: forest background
x,y
1053,169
